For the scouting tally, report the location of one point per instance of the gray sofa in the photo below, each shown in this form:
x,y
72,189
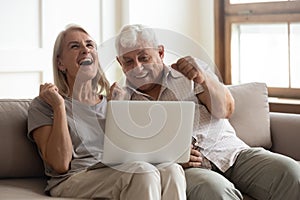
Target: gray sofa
x,y
21,169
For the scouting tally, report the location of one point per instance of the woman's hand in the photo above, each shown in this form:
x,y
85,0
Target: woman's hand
x,y
49,93
116,92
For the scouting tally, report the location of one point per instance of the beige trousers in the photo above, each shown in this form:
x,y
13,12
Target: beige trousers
x,y
143,181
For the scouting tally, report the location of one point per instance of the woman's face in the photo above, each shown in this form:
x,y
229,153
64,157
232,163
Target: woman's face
x,y
79,58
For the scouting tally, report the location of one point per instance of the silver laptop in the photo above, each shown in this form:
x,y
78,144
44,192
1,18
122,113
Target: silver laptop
x,y
151,131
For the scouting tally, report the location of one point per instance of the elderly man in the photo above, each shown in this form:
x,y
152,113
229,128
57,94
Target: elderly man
x,y
233,167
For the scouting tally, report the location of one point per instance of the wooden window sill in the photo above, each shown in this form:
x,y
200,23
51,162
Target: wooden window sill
x,y
284,105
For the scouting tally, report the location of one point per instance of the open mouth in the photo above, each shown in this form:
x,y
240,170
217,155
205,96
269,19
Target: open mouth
x,y
86,62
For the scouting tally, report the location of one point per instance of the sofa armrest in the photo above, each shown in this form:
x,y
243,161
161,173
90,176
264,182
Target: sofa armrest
x,y
285,133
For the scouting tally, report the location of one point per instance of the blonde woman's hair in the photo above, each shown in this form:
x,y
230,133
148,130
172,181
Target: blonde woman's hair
x,y
99,83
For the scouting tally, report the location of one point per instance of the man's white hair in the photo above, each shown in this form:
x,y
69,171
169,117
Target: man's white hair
x,y
134,36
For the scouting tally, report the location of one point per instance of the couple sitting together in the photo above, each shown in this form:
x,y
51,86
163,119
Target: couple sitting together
x,y
220,167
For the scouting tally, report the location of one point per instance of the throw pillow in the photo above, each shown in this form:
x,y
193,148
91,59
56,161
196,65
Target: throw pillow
x,y
251,118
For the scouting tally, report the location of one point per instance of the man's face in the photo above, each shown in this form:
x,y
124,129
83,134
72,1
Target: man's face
x,y
143,67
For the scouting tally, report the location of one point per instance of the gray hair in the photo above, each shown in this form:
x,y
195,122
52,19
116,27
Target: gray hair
x,y
135,36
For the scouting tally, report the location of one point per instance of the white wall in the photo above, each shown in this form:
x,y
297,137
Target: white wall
x,y
192,18
29,28
206,27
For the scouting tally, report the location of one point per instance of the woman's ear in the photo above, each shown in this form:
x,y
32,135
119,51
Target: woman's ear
x,y
161,51
60,65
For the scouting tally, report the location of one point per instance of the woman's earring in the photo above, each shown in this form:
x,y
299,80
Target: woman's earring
x,y
63,71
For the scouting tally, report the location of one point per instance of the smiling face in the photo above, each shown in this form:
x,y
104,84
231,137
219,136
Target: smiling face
x,y
143,67
79,58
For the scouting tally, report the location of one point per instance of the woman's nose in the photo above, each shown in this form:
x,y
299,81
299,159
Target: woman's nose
x,y
84,49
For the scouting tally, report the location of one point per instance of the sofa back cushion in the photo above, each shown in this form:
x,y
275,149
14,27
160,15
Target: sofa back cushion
x,y
19,156
251,118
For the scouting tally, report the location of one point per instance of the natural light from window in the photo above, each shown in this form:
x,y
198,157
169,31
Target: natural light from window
x,y
295,58
260,52
253,1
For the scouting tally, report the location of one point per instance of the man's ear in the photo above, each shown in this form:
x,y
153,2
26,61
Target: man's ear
x,y
119,60
161,51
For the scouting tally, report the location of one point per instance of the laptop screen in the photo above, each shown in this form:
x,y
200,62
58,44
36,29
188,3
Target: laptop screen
x,y
151,131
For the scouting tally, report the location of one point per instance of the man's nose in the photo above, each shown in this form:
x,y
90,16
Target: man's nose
x,y
138,66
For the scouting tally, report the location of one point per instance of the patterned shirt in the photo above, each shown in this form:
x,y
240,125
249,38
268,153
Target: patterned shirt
x,y
216,138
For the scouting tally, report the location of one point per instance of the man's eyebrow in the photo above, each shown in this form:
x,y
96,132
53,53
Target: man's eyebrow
x,y
142,51
125,58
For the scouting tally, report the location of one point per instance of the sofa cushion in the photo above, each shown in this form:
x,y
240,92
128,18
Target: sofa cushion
x,y
285,134
19,157
29,188
251,118
25,189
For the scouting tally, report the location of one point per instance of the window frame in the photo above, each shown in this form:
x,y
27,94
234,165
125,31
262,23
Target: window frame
x,y
269,12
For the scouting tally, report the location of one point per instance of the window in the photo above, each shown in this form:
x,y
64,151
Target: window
x,y
259,40
252,1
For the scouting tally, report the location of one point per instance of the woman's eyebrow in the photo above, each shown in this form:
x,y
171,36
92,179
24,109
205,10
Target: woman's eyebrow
x,y
76,42
72,42
90,41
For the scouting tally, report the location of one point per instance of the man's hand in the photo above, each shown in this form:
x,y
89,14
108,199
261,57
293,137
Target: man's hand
x,y
189,68
216,97
195,159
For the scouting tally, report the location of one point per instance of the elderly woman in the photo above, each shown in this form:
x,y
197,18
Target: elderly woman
x,y
66,121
